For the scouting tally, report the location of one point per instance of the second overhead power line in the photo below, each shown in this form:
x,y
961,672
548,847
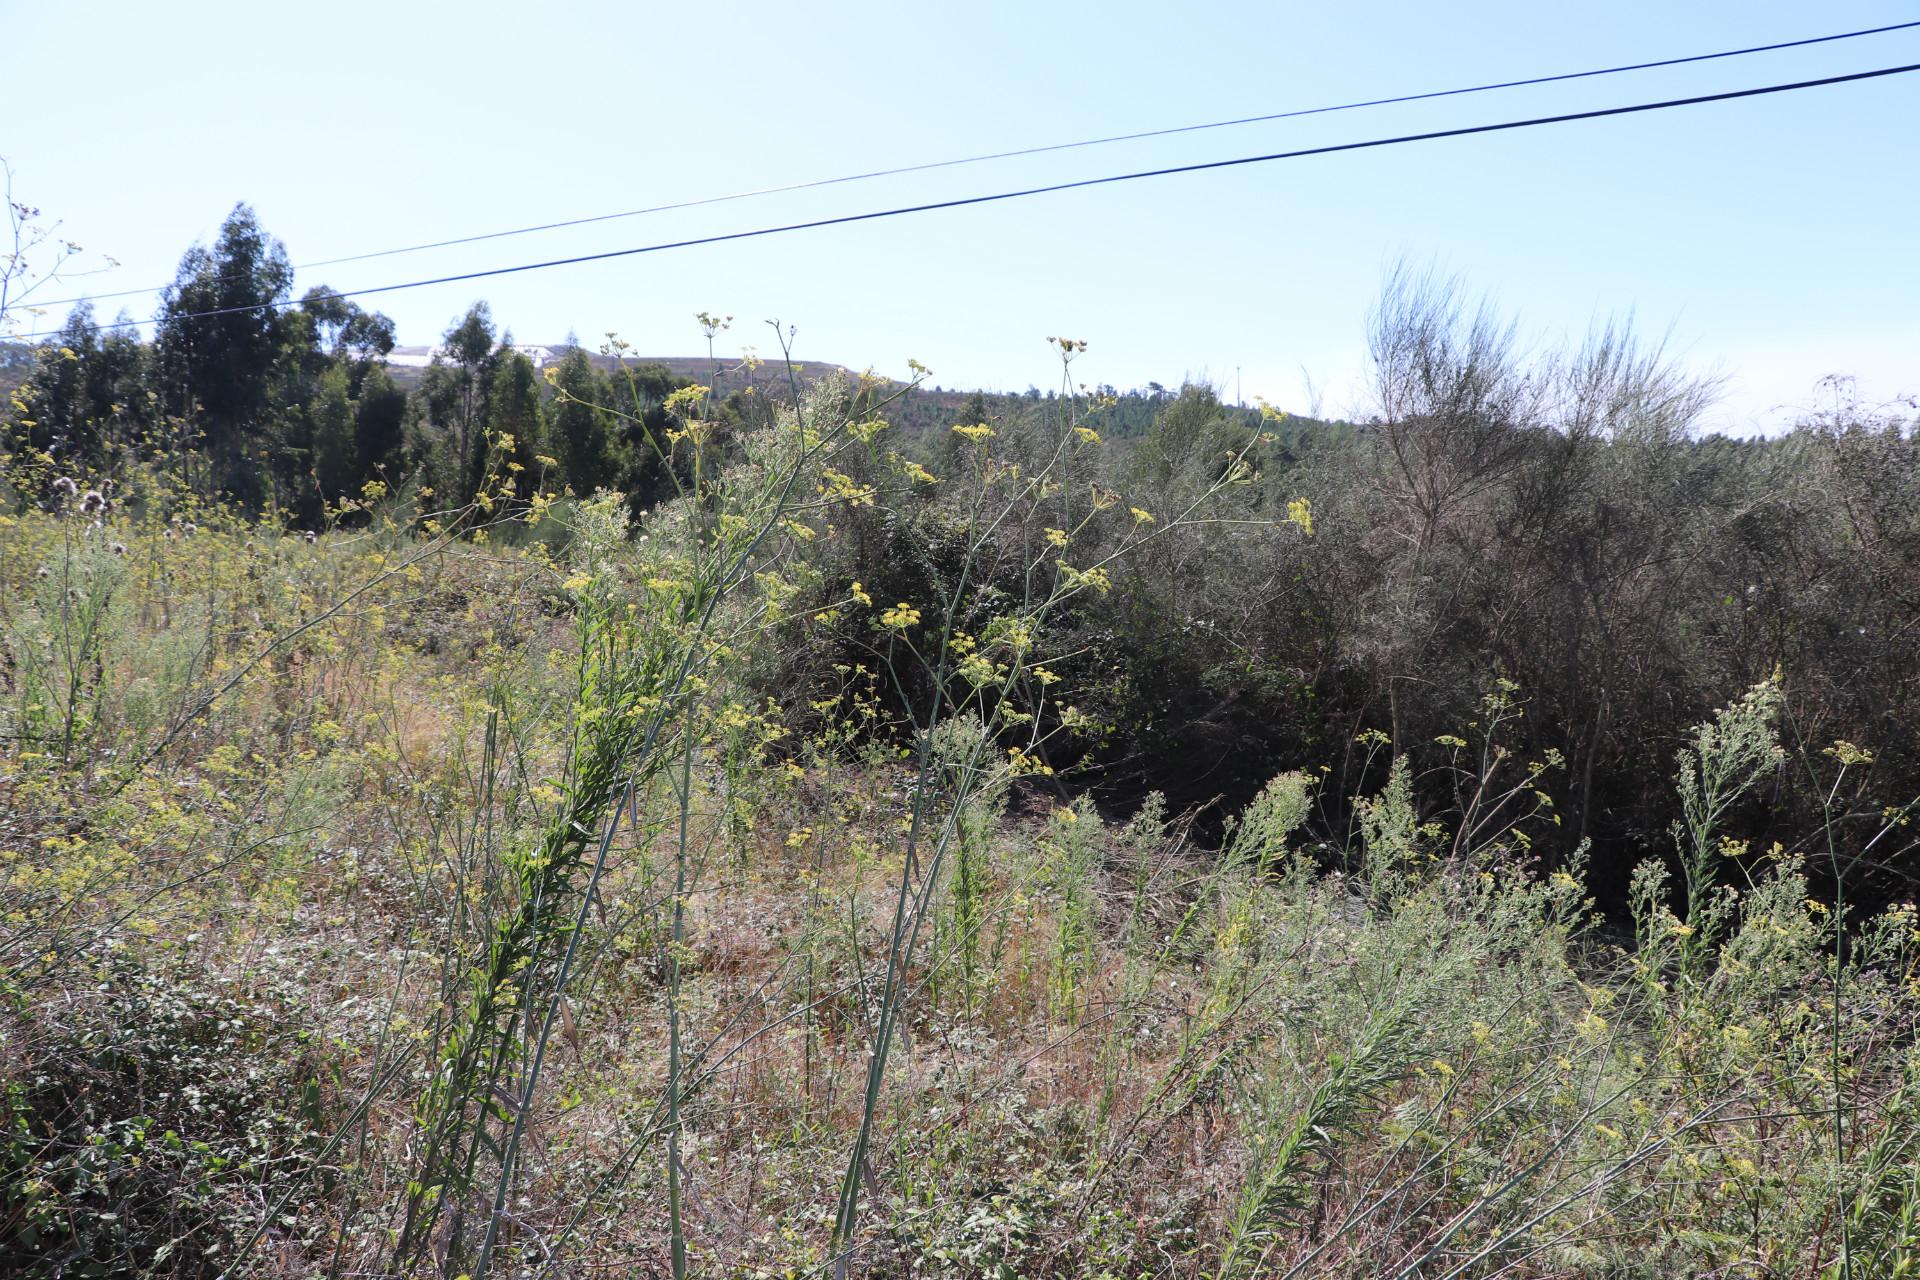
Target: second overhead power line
x,y
929,166
998,196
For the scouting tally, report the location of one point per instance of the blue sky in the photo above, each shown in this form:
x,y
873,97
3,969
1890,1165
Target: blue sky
x,y
1771,240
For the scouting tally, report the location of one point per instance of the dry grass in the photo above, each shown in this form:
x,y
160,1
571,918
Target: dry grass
x,y
226,945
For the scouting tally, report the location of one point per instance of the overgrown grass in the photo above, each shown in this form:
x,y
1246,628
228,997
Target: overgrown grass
x,y
414,902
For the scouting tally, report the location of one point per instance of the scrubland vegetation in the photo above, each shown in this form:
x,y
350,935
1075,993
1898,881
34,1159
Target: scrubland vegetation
x,y
1470,842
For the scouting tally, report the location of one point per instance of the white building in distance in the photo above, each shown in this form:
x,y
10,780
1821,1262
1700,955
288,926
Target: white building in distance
x,y
421,357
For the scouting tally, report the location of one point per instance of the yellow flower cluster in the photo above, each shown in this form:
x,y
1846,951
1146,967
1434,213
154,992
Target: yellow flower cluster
x,y
900,617
914,471
685,398
1022,763
1096,578
840,487
979,671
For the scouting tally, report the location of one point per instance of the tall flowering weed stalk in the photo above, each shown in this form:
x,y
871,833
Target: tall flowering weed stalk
x,y
1021,523
656,622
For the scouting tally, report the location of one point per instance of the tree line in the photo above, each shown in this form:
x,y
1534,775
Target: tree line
x,y
284,405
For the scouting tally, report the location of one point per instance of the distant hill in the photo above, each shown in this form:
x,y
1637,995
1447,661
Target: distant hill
x,y
407,363
926,409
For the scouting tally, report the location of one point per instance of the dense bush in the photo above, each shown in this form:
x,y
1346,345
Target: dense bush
x,y
149,1121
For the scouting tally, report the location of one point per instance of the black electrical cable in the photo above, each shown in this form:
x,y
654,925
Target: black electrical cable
x,y
964,201
1058,146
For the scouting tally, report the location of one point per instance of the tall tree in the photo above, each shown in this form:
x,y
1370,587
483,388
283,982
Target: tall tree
x,y
639,395
220,334
515,421
87,395
379,420
328,351
583,427
453,400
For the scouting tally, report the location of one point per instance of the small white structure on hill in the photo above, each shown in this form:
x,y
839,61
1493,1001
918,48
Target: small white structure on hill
x,y
421,357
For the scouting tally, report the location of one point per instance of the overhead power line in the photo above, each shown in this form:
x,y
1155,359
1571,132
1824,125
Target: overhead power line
x,y
931,165
995,197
